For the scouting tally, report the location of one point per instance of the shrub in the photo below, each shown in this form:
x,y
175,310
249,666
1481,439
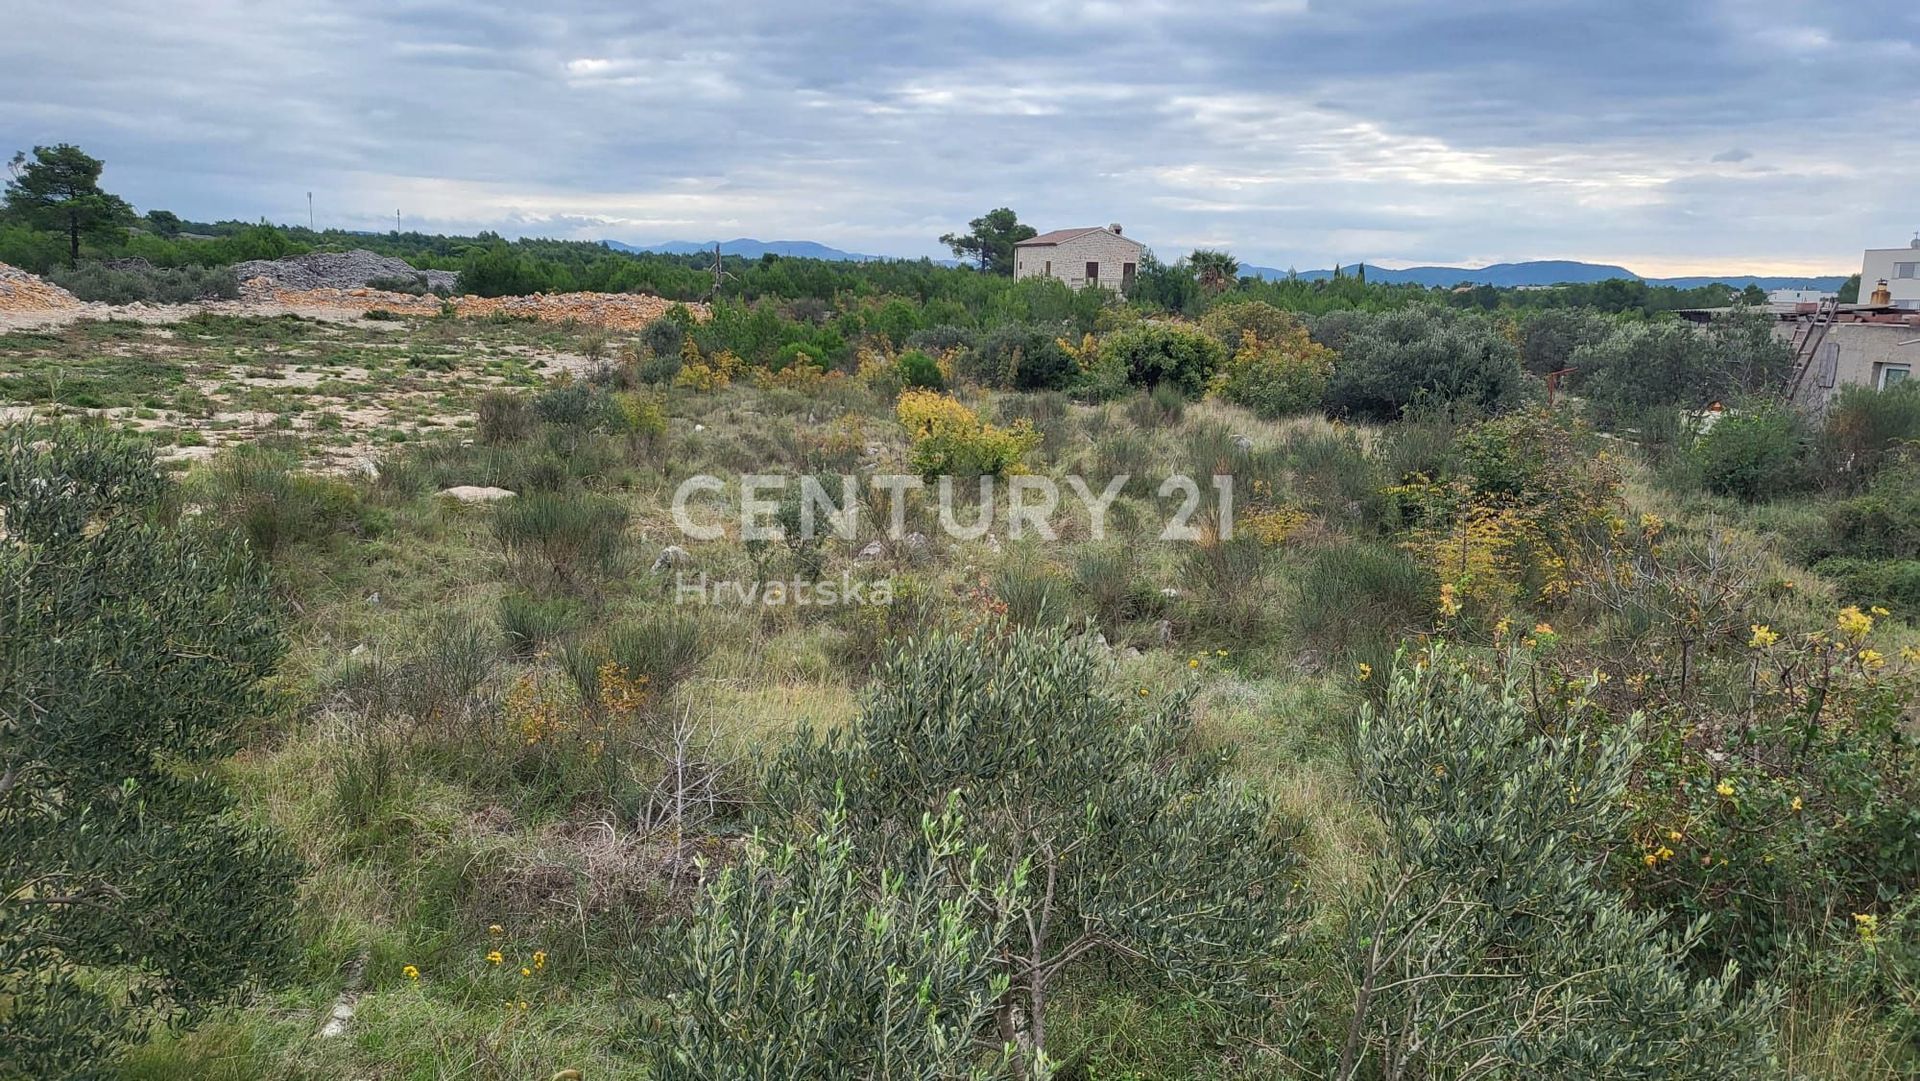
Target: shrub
x,y
1279,376
1233,318
531,623
1155,353
1549,338
569,538
504,417
917,369
1755,454
1354,601
1424,357
662,649
1642,367
573,404
1866,426
950,439
134,656
135,281
1866,583
1151,854
813,958
1490,919
1022,357
1883,521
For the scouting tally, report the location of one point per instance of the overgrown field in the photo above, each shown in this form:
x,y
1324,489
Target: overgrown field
x,y
1491,739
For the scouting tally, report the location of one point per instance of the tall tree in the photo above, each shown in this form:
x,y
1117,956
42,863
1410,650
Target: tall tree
x,y
1215,270
990,239
59,190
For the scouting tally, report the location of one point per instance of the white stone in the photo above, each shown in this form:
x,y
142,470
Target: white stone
x,y
469,493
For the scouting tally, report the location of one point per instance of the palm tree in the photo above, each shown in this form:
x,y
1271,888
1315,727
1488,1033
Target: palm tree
x,y
1215,270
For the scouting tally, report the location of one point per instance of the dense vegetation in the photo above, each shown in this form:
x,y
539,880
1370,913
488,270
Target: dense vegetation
x,y
1497,738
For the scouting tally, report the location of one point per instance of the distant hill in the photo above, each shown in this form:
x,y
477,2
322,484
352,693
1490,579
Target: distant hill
x,y
749,248
1536,272
1546,272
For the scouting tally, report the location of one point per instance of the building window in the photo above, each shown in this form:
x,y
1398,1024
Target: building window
x,y
1093,273
1126,275
1049,271
1892,375
1906,270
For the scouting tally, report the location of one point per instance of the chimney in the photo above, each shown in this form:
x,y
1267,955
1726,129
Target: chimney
x,y
1881,298
1114,228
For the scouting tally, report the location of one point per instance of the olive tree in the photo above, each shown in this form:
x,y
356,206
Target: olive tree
x,y
1487,943
1136,845
806,962
131,655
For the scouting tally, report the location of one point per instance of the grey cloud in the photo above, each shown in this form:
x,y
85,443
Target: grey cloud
x,y
1477,129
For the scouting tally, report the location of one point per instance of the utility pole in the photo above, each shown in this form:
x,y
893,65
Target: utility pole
x,y
310,212
396,223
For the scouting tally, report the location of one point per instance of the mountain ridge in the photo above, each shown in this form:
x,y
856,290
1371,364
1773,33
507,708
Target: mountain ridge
x,y
1523,273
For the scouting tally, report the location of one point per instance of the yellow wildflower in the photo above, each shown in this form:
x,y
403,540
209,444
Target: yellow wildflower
x,y
1449,602
1871,658
1194,663
1763,636
410,972
1365,672
1542,629
539,959
493,957
1853,622
1910,654
1219,652
1143,692
1663,853
1501,628
1725,788
1674,835
1879,611
1797,805
496,930
1649,859
525,971
1867,925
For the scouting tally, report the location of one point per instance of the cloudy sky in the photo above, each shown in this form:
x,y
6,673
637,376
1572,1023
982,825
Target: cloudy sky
x,y
1671,136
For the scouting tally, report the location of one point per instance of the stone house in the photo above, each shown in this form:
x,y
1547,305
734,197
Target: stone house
x,y
1080,257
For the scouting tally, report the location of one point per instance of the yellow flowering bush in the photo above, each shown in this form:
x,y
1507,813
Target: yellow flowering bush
x,y
951,439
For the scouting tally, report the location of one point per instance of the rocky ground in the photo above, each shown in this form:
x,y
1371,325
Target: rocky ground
x,y
310,286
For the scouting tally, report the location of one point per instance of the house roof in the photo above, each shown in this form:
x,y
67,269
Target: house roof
x,y
1061,236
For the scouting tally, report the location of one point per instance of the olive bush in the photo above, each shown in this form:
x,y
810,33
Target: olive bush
x,y
1137,846
805,963
131,655
1487,942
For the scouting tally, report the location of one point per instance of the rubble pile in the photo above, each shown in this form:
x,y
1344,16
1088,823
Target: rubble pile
x,y
615,311
24,292
334,270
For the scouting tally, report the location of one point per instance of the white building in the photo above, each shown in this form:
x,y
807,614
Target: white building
x,y
1899,268
1791,298
1080,257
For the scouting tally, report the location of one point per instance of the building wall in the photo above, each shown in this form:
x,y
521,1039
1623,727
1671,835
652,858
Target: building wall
x,y
1862,354
1069,260
1884,263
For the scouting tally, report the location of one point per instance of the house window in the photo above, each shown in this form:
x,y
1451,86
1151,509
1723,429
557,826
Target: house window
x,y
1049,271
1126,275
1906,270
1892,375
1093,273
